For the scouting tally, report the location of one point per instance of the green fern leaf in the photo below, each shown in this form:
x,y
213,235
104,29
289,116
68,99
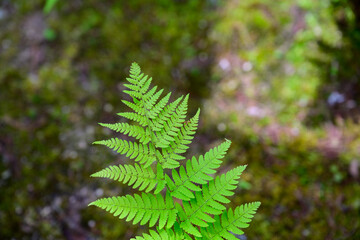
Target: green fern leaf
x,y
130,130
171,154
165,234
136,176
135,107
231,221
138,82
148,208
151,98
172,125
162,135
161,235
144,103
140,119
196,172
185,135
159,107
142,153
209,201
164,115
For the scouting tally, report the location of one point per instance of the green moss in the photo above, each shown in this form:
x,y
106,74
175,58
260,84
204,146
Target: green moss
x,y
57,80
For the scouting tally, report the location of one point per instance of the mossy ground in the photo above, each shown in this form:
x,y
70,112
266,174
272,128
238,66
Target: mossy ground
x,y
260,74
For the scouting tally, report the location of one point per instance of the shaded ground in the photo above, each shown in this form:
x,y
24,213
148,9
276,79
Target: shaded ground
x,y
308,176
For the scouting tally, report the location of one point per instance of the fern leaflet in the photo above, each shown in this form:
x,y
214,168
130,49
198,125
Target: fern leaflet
x,y
165,234
178,146
140,152
148,208
231,221
143,178
131,130
209,201
196,172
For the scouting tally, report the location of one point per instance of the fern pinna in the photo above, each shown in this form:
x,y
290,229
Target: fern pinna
x,y
186,201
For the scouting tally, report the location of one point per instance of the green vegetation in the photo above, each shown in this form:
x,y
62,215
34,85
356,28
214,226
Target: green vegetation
x,y
163,135
280,79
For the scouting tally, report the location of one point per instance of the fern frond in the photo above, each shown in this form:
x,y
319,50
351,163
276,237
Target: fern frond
x,y
209,201
159,121
145,84
136,176
138,82
185,135
148,208
162,135
165,234
142,120
231,221
185,224
158,107
178,146
196,172
172,125
142,153
160,235
150,98
130,130
137,108
216,192
145,103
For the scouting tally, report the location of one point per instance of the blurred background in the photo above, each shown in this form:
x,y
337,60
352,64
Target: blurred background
x,y
281,79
